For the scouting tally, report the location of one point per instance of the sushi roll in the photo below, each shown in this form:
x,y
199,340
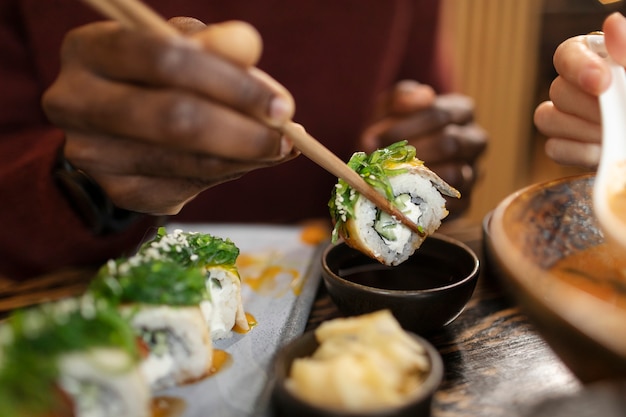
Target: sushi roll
x,y
217,257
409,184
161,300
179,352
71,358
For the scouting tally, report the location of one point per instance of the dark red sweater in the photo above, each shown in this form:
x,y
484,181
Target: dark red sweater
x,y
334,56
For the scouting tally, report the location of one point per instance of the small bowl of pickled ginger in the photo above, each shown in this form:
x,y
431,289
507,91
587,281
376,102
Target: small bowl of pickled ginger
x,y
357,366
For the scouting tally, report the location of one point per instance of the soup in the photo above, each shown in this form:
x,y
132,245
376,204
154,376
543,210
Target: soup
x,y
599,270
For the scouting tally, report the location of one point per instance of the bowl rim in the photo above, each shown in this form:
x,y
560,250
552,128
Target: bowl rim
x,y
609,331
429,386
473,275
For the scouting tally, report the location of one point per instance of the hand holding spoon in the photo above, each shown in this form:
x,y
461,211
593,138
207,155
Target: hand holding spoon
x,y
609,192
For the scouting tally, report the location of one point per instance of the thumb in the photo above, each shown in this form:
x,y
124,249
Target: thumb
x,y
409,96
236,41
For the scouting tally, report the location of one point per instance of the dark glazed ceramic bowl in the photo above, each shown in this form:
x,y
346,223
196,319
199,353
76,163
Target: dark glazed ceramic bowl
x,y
426,292
528,233
286,404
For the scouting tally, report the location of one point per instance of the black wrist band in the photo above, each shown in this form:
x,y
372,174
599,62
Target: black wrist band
x,y
90,201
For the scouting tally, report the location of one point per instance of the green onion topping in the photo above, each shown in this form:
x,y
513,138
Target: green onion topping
x,y
375,169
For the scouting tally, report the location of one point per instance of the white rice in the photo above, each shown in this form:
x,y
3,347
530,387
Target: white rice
x,y
226,307
104,382
189,348
426,208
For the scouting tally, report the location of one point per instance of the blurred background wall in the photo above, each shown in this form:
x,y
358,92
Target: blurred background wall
x,y
502,54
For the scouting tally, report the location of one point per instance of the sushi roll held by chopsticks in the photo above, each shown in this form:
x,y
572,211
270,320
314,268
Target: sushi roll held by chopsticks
x,y
406,182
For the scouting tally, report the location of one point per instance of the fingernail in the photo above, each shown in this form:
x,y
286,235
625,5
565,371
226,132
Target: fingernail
x,y
406,86
620,17
280,110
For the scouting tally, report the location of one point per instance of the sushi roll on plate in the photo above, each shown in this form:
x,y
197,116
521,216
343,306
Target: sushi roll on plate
x,y
71,358
161,300
217,257
409,184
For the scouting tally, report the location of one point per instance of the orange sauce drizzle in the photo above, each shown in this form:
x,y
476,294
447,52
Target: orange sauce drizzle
x,y
246,261
251,323
262,276
220,360
297,284
266,278
315,233
167,406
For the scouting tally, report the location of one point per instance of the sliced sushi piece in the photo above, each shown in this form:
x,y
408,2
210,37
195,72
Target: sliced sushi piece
x,y
161,300
101,383
179,352
225,310
71,358
409,184
218,258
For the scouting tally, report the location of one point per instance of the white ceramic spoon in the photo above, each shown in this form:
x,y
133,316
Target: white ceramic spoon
x,y
609,192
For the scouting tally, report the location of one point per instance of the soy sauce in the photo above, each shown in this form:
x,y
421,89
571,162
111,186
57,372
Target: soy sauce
x,y
425,274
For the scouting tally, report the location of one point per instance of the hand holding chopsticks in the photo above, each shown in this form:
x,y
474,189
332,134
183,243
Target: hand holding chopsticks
x,y
134,14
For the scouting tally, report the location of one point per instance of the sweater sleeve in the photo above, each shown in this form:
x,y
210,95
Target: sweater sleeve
x,y
40,230
421,60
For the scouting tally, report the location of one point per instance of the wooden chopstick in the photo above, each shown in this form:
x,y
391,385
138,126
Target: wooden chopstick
x,y
322,156
49,287
135,14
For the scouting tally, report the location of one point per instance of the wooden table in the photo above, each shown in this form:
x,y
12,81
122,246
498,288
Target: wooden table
x,y
495,362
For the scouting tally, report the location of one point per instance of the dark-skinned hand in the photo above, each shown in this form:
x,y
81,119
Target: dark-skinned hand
x,y
441,128
155,120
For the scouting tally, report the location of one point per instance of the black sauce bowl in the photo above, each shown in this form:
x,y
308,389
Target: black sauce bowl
x,y
425,293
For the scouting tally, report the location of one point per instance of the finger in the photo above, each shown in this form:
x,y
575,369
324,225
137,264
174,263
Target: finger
x,y
409,96
575,62
454,143
615,37
235,40
459,107
553,123
172,118
142,57
575,153
461,176
391,130
448,108
568,99
100,155
287,101
136,193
